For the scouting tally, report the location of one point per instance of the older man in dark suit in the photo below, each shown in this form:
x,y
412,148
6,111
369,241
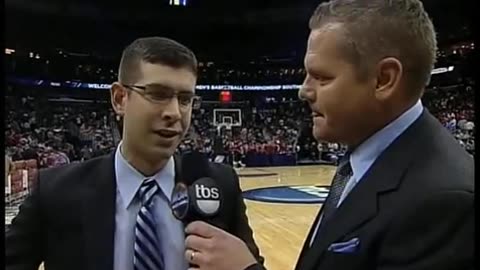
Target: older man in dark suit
x,y
402,197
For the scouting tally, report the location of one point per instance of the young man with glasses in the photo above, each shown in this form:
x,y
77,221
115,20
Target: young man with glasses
x,y
113,212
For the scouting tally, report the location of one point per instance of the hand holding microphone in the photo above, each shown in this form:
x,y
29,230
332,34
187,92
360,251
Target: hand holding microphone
x,y
211,248
197,201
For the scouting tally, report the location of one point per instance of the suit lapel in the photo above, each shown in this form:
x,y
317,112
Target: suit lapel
x,y
308,239
99,215
360,205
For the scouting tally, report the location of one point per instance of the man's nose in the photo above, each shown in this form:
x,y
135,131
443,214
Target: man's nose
x,y
306,92
171,111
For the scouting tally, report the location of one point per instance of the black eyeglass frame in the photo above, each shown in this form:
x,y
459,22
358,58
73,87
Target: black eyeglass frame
x,y
142,90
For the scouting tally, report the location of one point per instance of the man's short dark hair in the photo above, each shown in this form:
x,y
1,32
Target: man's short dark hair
x,y
154,50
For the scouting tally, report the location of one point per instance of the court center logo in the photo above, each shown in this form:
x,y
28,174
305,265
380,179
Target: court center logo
x,y
289,194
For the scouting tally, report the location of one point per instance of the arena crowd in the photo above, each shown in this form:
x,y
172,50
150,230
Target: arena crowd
x,y
55,132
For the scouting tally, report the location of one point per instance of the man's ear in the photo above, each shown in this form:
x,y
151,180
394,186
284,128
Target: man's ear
x,y
389,75
118,98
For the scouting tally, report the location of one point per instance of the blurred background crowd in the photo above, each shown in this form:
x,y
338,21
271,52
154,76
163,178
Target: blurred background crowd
x,y
57,132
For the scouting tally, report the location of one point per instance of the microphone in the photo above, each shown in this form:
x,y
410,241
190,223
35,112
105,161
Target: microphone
x,y
196,196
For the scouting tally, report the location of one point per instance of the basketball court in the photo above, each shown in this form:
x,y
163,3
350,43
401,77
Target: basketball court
x,y
282,203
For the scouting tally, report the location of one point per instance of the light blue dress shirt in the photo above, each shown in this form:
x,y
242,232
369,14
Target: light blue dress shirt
x,y
169,229
363,157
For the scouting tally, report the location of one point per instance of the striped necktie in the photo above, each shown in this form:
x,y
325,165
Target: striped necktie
x,y
342,175
147,248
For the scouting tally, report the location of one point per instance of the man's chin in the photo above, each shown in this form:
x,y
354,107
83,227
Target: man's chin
x,y
164,151
322,136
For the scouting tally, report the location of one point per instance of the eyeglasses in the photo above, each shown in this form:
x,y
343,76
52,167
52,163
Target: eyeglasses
x,y
161,94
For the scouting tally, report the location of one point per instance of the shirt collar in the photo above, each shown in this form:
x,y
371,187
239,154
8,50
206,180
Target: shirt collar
x,y
129,179
365,155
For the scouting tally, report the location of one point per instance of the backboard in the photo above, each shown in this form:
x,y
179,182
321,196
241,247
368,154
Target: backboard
x,y
228,117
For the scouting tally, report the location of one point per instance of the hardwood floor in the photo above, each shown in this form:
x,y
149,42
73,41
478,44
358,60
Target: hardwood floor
x,y
280,229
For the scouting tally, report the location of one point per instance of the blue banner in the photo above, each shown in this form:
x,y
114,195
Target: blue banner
x,y
84,85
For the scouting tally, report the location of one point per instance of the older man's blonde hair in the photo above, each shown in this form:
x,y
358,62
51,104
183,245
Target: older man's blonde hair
x,y
376,29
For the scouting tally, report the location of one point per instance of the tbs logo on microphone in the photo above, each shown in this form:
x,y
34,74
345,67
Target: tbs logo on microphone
x,y
202,199
207,197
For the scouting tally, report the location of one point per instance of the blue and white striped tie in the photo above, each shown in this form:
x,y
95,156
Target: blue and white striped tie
x,y
147,249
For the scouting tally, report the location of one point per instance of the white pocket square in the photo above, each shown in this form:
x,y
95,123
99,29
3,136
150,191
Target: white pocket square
x,y
349,246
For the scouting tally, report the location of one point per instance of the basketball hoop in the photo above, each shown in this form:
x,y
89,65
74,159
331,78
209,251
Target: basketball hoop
x,y
227,116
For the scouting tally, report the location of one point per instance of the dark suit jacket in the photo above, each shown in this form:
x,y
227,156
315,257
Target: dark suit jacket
x,y
413,209
68,221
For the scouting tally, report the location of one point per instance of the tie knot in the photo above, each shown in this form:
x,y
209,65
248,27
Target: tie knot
x,y
344,167
148,188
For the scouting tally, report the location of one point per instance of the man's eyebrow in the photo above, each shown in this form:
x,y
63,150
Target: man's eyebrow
x,y
185,91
